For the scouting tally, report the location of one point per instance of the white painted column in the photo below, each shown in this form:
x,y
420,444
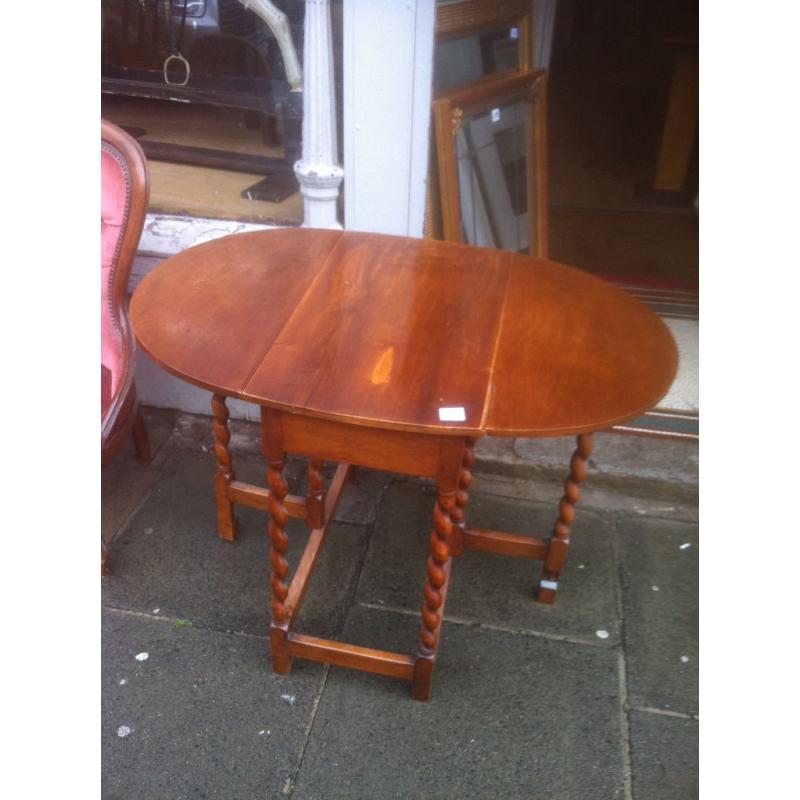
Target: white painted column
x,y
388,62
317,171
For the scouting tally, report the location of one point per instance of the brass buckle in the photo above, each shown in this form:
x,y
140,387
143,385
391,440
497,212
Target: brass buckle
x,y
176,57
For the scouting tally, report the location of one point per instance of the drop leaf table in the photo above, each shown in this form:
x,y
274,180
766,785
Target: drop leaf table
x,y
395,354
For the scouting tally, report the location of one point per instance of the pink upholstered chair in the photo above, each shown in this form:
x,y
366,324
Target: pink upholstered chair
x,y
125,191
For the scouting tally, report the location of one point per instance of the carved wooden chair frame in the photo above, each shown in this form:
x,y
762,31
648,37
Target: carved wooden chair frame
x,y
123,415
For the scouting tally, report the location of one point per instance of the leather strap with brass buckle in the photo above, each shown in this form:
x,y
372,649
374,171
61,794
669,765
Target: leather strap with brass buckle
x,y
176,57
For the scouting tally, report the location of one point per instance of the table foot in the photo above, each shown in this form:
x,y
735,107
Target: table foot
x,y
558,546
279,648
227,524
423,677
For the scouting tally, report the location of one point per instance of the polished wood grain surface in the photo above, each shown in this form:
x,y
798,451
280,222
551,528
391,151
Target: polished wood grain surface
x,y
210,313
391,331
384,331
575,354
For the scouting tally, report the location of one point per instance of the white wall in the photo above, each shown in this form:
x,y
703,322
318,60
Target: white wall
x,y
388,58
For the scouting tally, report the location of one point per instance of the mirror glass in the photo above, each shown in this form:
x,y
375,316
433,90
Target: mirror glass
x,y
468,58
493,152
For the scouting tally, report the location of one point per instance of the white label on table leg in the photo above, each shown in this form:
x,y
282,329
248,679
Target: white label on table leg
x,y
452,414
548,585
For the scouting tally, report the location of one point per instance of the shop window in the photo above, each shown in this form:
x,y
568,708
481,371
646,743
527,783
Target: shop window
x,y
209,92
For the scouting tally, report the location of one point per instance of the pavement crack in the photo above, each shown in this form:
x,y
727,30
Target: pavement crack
x,y
352,593
288,787
182,622
556,637
622,672
159,462
625,730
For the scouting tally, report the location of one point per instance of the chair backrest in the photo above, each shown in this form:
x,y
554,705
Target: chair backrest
x,y
124,195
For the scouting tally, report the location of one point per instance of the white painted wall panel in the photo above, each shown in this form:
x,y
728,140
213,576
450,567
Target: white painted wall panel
x,y
684,394
388,58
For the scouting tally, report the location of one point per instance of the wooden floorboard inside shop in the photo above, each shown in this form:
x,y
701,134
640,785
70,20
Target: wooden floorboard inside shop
x,y
202,191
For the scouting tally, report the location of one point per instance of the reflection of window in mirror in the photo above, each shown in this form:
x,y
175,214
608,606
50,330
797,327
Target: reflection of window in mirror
x,y
492,178
468,58
476,38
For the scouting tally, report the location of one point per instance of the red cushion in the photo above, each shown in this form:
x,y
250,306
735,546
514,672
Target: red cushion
x,y
113,209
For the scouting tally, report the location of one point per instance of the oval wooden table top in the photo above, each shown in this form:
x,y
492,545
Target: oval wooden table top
x,y
387,331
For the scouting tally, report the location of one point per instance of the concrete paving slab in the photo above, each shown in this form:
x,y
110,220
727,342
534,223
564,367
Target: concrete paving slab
x,y
124,483
502,655
494,589
661,623
664,757
170,557
512,716
359,502
633,457
202,717
671,500
661,469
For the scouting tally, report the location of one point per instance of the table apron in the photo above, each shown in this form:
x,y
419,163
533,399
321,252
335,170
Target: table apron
x,y
417,454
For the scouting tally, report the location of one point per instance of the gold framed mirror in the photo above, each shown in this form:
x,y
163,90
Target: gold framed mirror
x,y
475,38
491,154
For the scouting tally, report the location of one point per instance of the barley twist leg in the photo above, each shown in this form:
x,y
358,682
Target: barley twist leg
x,y
435,588
559,542
227,525
279,542
315,502
462,498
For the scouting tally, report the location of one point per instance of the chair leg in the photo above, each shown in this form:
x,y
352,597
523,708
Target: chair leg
x,y
559,542
141,441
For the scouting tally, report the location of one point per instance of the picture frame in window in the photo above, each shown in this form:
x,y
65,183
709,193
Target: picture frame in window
x,y
459,19
491,156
